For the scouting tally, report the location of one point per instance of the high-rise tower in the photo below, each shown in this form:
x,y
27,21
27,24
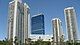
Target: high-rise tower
x,y
71,23
57,31
37,24
18,22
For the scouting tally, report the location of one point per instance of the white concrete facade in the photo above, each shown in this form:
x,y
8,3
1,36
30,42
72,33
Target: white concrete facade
x,y
71,23
18,22
57,31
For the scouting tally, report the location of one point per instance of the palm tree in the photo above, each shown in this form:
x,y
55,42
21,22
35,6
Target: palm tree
x,y
16,41
29,41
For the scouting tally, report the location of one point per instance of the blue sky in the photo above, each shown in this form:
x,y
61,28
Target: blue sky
x,y
50,8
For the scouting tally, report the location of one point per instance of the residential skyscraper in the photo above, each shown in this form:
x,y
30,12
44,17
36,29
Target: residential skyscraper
x,y
71,23
18,22
57,31
37,24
